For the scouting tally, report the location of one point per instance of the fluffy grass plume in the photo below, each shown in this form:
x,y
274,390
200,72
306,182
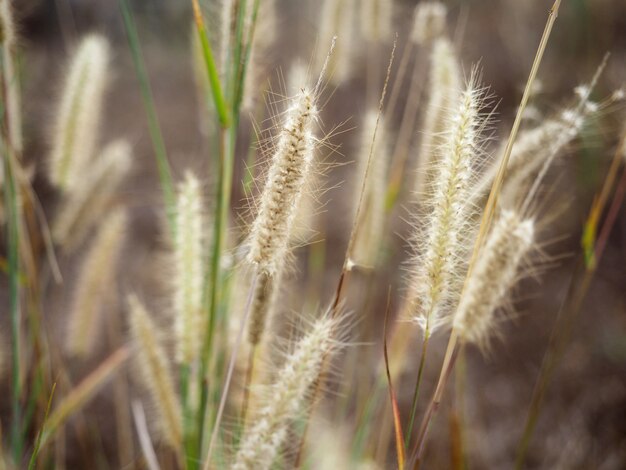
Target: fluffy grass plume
x,y
155,373
288,174
534,146
429,22
285,398
188,276
336,19
78,115
81,208
376,20
95,281
444,88
11,76
371,225
494,274
443,240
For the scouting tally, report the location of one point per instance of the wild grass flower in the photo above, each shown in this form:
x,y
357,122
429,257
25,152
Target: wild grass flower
x,y
443,241
429,22
444,88
78,116
95,283
534,146
288,174
494,274
188,276
155,373
286,397
376,20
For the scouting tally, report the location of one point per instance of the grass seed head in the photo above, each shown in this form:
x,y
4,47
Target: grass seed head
x,y
442,245
155,373
494,274
429,22
377,20
78,116
286,397
95,284
288,174
444,87
188,275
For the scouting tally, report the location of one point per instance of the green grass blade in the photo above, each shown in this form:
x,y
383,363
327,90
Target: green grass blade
x,y
33,457
214,80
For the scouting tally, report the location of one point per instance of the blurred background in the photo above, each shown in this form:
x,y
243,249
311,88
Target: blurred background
x,y
583,422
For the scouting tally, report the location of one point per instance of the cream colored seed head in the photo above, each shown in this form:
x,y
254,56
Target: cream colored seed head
x,y
288,174
95,282
78,116
155,373
82,207
376,20
264,438
444,88
188,266
429,22
494,274
443,243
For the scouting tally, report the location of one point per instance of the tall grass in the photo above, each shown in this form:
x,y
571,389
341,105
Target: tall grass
x,y
245,349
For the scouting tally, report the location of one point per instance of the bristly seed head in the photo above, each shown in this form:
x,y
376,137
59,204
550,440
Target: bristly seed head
x,y
443,244
494,274
155,372
429,22
263,440
288,174
188,264
444,86
78,116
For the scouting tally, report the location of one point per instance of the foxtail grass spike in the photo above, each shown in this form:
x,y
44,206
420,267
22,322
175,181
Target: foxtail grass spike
x,y
429,22
96,280
444,88
494,273
76,125
288,174
443,241
285,398
188,270
155,373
